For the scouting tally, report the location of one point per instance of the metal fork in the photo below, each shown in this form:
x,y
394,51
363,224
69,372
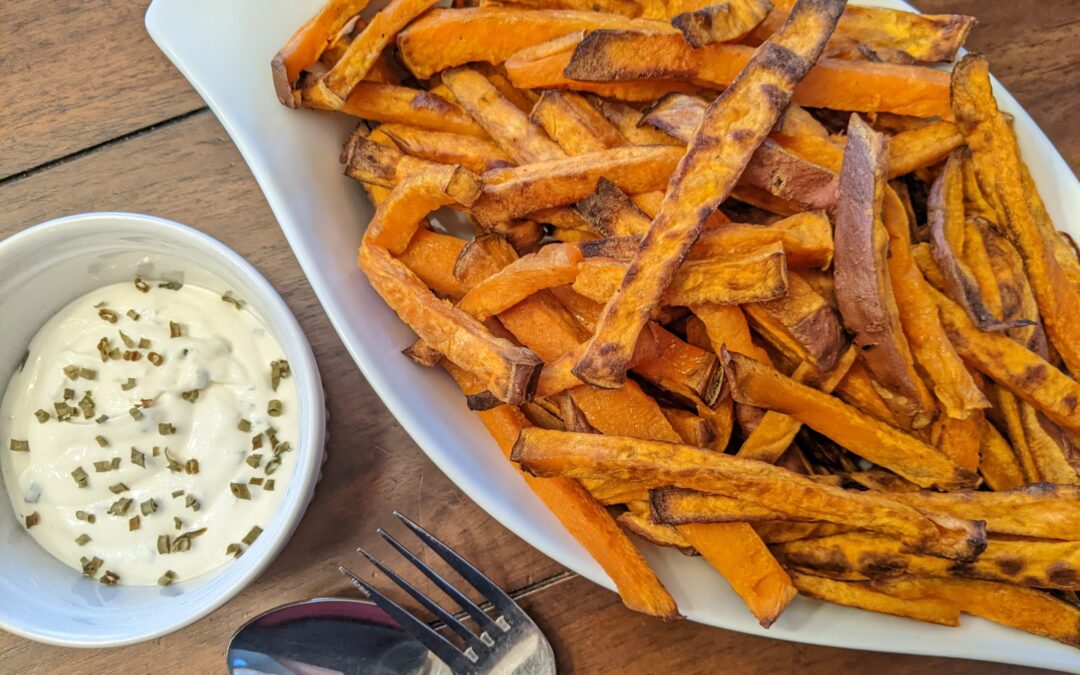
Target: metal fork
x,y
508,643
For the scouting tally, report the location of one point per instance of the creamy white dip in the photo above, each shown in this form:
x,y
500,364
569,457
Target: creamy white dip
x,y
212,382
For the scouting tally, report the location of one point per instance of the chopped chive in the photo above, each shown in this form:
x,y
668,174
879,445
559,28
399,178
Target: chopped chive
x,y
102,467
235,302
192,503
167,578
120,506
255,480
282,448
254,461
269,485
177,493
171,285
240,490
256,442
33,519
108,315
138,458
42,416
103,348
252,535
136,413
87,405
115,463
132,355
148,507
87,517
174,464
128,342
244,426
134,523
83,539
69,394
109,578
144,343
279,370
182,543
102,419
115,354
118,488
177,523
157,451
129,385
190,396
141,285
166,429
272,466
191,467
175,330
80,476
133,315
164,544
72,372
88,373
274,408
19,446
155,358
146,402
102,441
64,412
235,550
90,566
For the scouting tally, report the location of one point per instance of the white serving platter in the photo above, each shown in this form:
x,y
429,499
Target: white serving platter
x,y
224,49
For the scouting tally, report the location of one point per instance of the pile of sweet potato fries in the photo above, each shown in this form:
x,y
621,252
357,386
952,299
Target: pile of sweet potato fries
x,y
753,280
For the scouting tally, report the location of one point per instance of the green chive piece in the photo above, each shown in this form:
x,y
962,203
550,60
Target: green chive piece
x,y
235,550
269,485
174,464
167,578
118,488
109,578
64,412
87,405
86,517
155,358
134,523
235,302
177,493
69,394
72,372
108,315
141,285
115,354
175,330
19,446
254,461
177,523
33,519
136,413
190,396
103,348
42,416
164,544
81,477
102,467
120,506
244,425
282,448
132,355
272,466
252,535
144,343
88,373
240,490
138,458
90,566
171,285
256,442
191,467
279,370
102,441
166,429
129,385
133,315
255,480
128,342
274,408
102,420
192,503
82,539
157,451
148,507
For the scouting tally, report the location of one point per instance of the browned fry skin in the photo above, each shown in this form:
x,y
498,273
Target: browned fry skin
x,y
519,191
612,213
553,265
689,372
508,371
628,8
679,506
677,115
574,124
381,102
732,129
550,453
1015,606
921,147
863,285
757,384
724,22
800,324
409,203
864,596
640,525
696,431
475,154
628,121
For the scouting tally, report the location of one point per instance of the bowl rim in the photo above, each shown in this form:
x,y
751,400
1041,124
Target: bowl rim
x,y
285,327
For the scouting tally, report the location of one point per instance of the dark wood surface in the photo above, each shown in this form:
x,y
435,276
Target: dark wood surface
x,y
91,108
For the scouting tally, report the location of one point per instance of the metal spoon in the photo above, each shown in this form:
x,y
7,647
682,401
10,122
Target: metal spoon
x,y
326,636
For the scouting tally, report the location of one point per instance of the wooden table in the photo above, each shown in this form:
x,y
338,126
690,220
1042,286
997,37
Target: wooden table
x,y
94,118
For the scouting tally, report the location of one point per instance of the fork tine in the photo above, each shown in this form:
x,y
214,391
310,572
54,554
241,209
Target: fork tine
x,y
462,600
444,616
475,577
423,633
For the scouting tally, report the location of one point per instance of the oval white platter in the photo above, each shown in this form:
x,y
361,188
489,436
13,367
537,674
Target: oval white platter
x,y
224,50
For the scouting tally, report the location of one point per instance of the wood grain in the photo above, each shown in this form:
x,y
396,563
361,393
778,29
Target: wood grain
x,y
81,76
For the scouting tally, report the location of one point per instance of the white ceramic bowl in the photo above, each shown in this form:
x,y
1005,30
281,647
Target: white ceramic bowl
x,y
44,268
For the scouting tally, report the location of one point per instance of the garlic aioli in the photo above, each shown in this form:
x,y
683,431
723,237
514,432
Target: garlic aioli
x,y
167,393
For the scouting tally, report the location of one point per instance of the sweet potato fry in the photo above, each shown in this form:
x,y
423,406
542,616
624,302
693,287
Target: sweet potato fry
x,y
888,35
677,115
864,596
693,430
584,517
428,255
757,384
515,192
683,369
399,216
1014,606
1000,168
574,124
308,43
475,154
552,265
508,371
628,8
726,326
639,525
628,121
612,213
781,531
680,506
550,453
757,276
614,56
501,119
403,105
922,147
998,464
725,22
863,282
801,324
445,38
731,130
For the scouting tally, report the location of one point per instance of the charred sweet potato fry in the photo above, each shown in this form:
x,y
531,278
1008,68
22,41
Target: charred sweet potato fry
x,y
757,384
612,213
754,277
308,43
724,22
399,216
629,8
865,596
680,506
515,192
800,324
999,167
445,38
584,517
889,35
683,369
404,105
508,371
550,453
677,115
1024,608
574,124
628,121
863,283
860,86
475,154
731,130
